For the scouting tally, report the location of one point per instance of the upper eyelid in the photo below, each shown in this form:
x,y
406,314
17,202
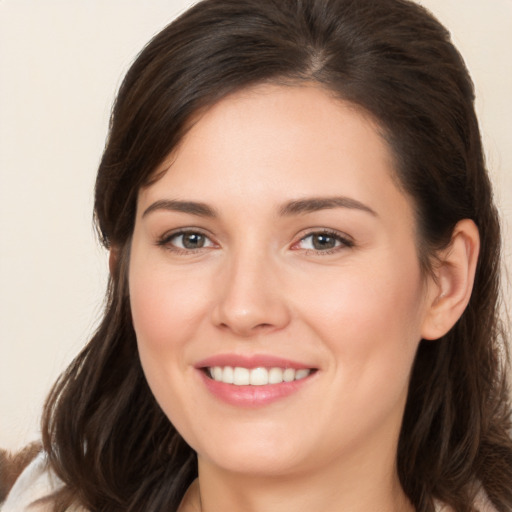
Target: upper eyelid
x,y
325,231
345,241
184,231
169,235
303,234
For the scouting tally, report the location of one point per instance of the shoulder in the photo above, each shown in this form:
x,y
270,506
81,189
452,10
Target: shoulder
x,y
482,504
36,483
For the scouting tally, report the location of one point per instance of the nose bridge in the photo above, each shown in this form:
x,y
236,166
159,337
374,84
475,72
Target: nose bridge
x,y
249,298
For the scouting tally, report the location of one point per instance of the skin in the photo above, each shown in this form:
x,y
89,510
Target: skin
x,y
355,312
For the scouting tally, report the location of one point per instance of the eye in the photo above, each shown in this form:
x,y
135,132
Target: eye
x,y
323,241
186,241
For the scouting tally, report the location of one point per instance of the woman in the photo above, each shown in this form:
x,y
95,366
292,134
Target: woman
x,y
304,255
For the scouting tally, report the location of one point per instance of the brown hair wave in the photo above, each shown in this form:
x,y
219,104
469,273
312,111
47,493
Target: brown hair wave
x,y
106,437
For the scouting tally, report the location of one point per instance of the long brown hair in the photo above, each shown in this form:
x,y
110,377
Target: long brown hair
x,y
106,437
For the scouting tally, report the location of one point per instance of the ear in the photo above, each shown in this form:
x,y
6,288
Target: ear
x,y
451,286
113,259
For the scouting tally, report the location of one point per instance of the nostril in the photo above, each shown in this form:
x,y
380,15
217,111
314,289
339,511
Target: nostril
x,y
250,313
248,329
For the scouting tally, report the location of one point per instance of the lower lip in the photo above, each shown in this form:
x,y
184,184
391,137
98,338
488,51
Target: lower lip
x,y
252,396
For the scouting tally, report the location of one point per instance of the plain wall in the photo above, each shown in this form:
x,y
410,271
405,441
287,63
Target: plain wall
x,y
61,62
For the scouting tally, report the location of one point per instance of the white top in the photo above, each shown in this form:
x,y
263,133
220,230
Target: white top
x,y
37,482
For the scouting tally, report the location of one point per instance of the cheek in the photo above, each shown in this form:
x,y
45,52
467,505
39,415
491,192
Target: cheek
x,y
166,313
165,307
370,316
166,310
370,323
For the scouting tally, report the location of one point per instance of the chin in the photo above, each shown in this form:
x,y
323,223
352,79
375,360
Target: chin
x,y
258,455
251,463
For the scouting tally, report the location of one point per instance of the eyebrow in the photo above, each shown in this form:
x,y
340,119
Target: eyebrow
x,y
296,207
314,204
191,207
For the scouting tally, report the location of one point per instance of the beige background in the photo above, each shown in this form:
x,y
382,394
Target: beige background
x,y
61,62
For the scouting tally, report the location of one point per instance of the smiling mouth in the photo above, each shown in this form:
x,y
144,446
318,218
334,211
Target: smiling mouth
x,y
260,376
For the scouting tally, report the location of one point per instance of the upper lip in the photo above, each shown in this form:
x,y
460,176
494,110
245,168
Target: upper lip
x,y
250,361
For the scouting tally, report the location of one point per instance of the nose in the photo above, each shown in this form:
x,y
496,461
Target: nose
x,y
251,297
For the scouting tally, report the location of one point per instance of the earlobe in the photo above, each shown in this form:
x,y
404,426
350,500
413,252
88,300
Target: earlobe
x,y
454,275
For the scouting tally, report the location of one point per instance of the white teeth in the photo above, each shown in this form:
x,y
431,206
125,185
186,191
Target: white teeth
x,y
275,376
289,375
217,373
302,373
256,376
259,377
241,376
228,375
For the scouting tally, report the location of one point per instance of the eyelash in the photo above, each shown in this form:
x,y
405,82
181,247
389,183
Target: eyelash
x,y
343,241
166,241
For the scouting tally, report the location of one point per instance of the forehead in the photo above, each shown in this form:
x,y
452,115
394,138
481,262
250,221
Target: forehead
x,y
272,143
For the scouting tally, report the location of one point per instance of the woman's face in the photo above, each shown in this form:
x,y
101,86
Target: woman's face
x,y
275,285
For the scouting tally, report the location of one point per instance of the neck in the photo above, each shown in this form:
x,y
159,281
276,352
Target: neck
x,y
358,490
361,476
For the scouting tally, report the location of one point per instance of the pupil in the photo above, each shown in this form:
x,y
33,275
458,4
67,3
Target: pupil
x,y
193,241
323,242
